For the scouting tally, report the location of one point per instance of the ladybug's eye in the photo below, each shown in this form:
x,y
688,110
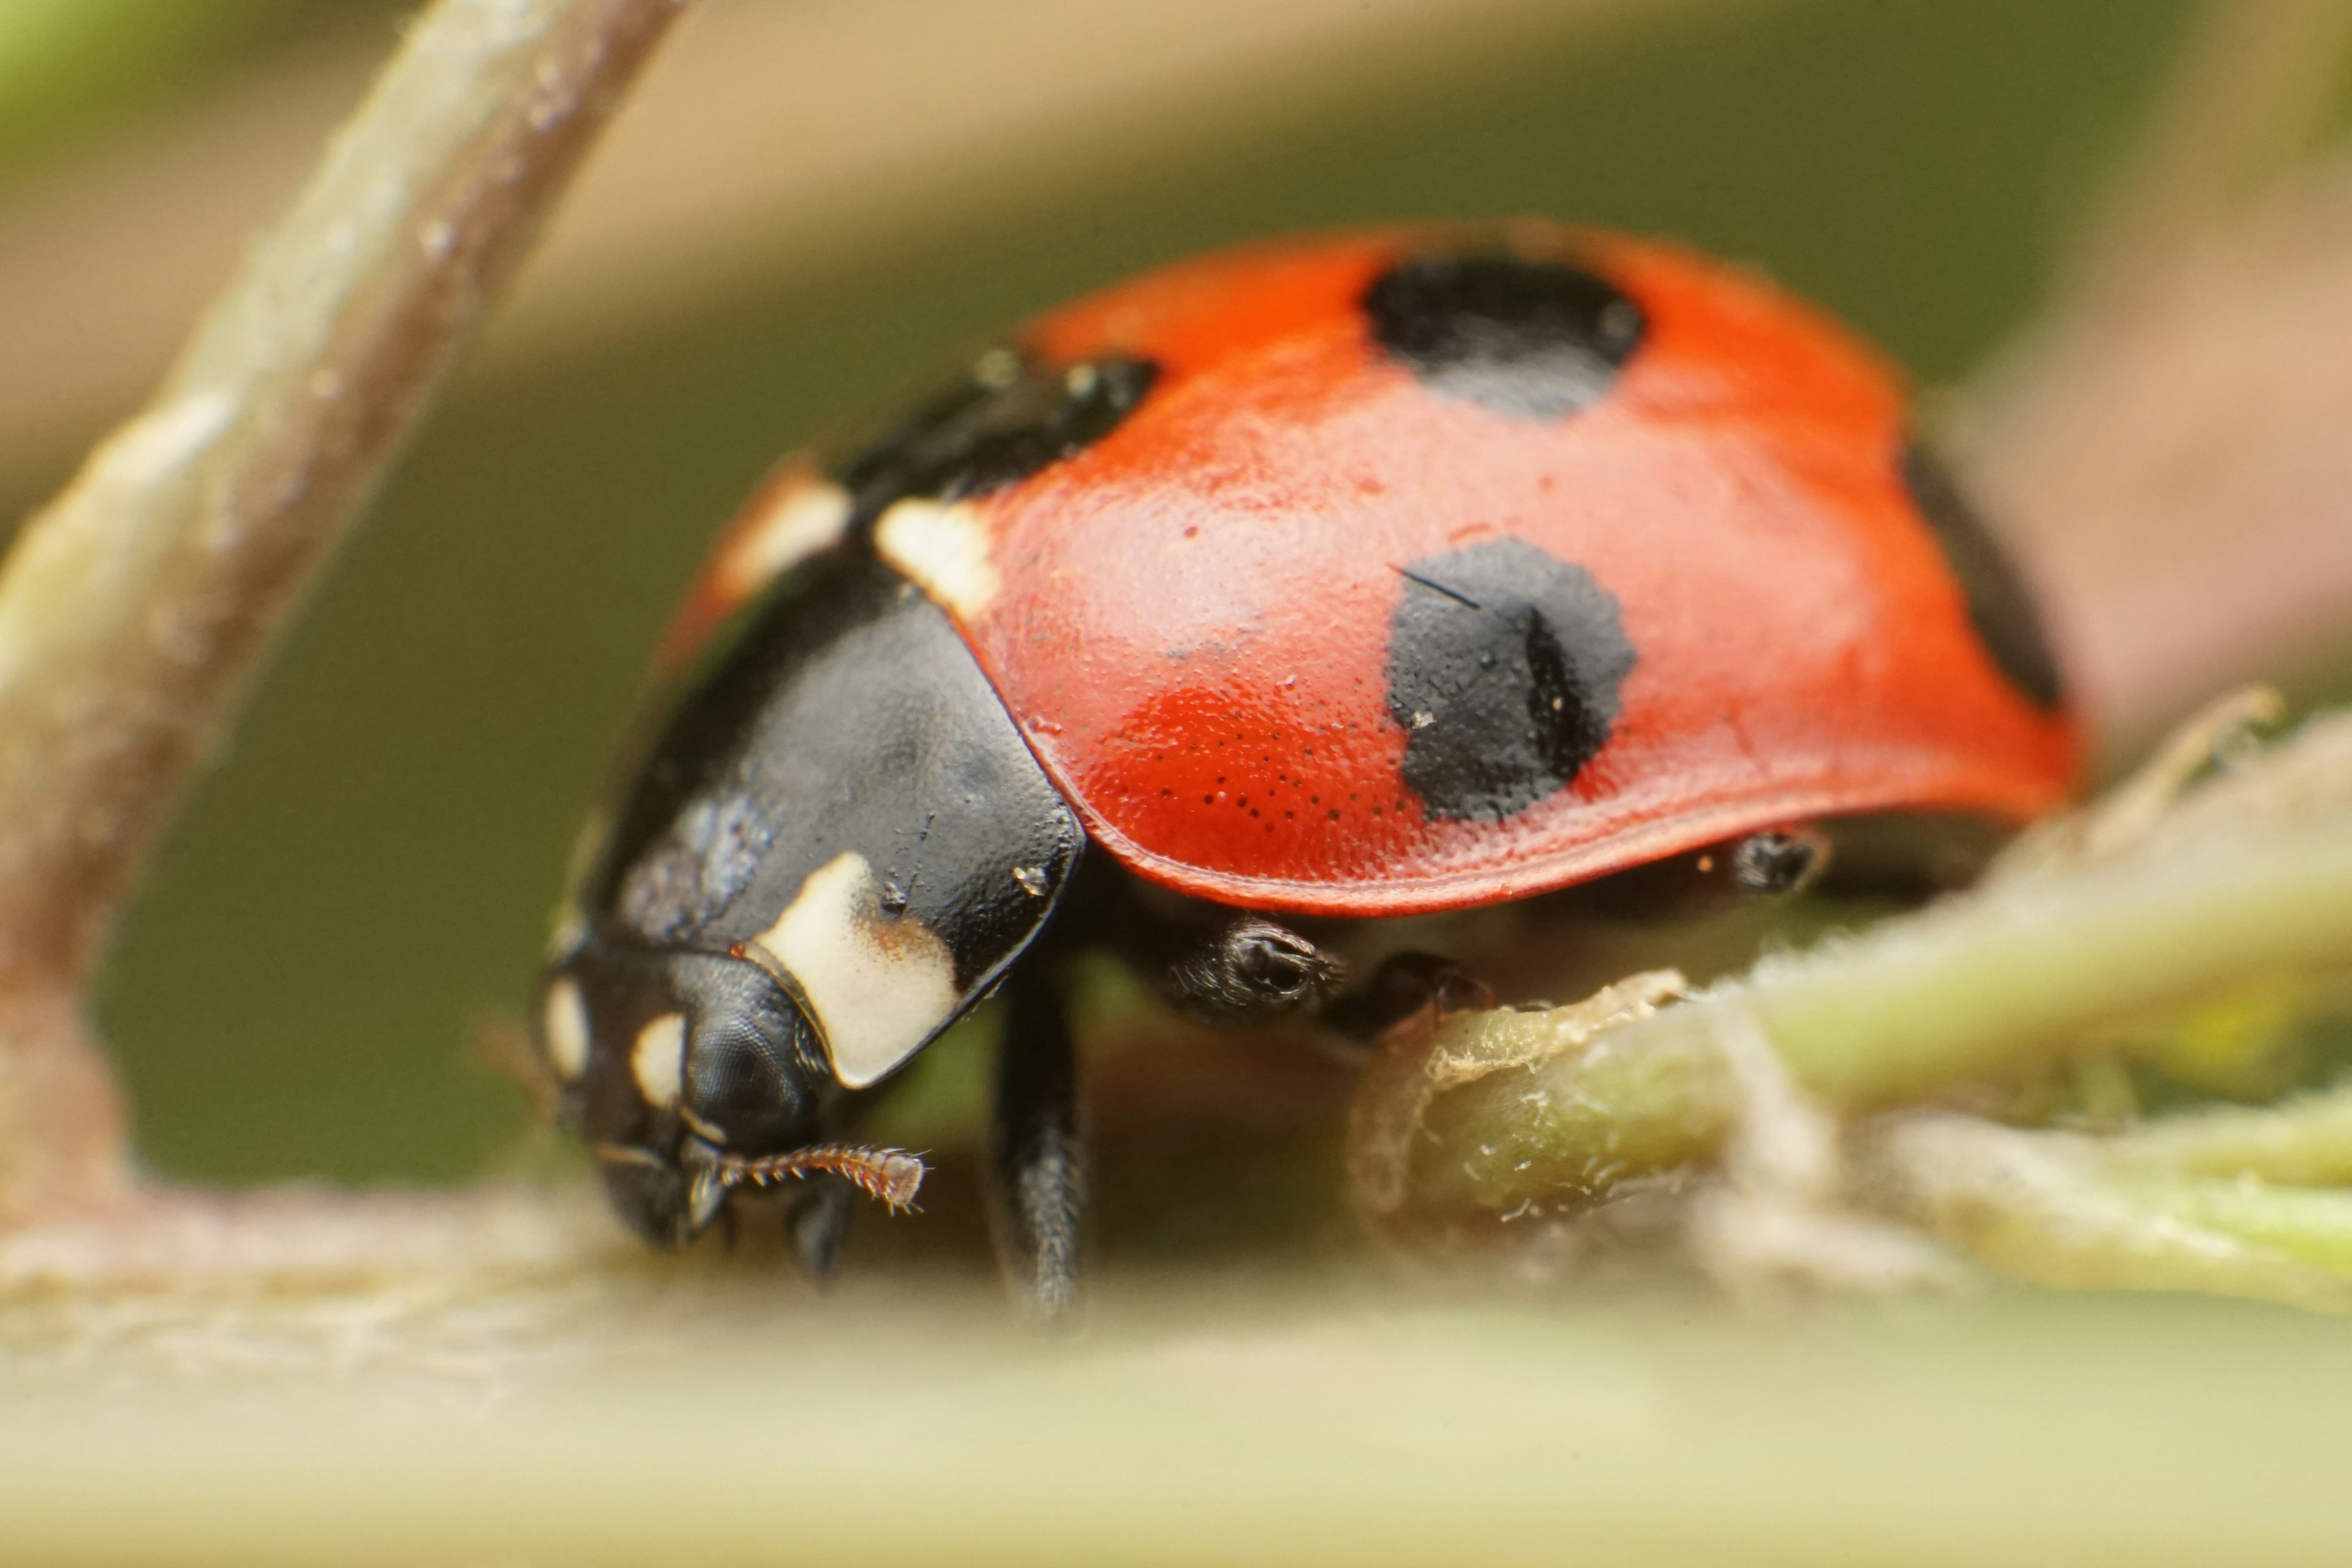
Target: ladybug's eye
x,y
748,1077
752,1068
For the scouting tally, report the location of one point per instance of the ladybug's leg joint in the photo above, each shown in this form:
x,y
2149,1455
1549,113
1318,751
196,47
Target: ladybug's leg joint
x,y
1247,970
1036,1159
1406,983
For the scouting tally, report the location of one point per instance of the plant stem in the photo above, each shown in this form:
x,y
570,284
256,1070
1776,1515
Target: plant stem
x,y
2023,969
2057,1209
135,608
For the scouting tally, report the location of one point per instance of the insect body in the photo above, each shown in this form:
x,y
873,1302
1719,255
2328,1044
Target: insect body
x,y
1386,573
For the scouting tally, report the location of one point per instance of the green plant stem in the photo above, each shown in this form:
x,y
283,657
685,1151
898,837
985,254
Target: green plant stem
x,y
134,609
2014,974
2054,1208
2304,1141
2208,1201
2315,1225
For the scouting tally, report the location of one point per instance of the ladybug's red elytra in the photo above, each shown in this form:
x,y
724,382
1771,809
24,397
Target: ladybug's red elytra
x,y
1381,573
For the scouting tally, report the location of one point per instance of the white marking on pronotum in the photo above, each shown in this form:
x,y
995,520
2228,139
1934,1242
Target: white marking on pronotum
x,y
564,1028
878,988
1032,880
944,547
790,524
657,1061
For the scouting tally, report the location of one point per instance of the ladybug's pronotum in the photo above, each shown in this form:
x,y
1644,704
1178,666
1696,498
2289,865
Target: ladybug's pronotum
x,y
1351,578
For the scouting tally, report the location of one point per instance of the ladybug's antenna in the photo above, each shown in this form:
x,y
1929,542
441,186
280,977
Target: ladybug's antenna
x,y
892,1175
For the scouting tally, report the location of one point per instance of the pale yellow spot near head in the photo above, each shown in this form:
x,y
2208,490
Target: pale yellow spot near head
x,y
789,526
564,1029
878,988
944,548
657,1061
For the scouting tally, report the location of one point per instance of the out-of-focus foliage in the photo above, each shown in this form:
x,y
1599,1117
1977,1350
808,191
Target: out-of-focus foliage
x,y
70,70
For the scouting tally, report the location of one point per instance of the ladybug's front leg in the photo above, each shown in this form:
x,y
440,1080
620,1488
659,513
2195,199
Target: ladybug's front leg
x,y
1036,1159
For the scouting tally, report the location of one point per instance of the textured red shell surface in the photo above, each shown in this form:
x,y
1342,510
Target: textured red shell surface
x,y
1190,618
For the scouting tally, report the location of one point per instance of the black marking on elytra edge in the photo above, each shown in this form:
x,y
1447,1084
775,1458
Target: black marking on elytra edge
x,y
1533,338
1503,667
851,717
1007,418
2000,605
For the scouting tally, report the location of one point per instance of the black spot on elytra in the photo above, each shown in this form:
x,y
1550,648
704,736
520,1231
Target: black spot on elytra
x,y
1504,668
1004,421
2000,606
1533,338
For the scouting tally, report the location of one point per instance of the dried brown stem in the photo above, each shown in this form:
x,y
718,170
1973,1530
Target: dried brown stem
x,y
135,608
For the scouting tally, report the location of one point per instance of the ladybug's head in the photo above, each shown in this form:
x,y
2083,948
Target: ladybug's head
x,y
687,1073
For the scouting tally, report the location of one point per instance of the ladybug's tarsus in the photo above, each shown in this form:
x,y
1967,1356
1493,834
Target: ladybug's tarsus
x,y
1037,1157
1404,985
1380,574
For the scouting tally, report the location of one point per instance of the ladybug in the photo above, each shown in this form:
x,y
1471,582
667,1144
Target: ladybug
x,y
1298,587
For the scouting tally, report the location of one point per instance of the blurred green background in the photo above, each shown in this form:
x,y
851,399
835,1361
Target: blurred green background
x,y
369,871
73,71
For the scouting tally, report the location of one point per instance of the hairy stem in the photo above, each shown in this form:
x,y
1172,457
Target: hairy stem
x,y
134,608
